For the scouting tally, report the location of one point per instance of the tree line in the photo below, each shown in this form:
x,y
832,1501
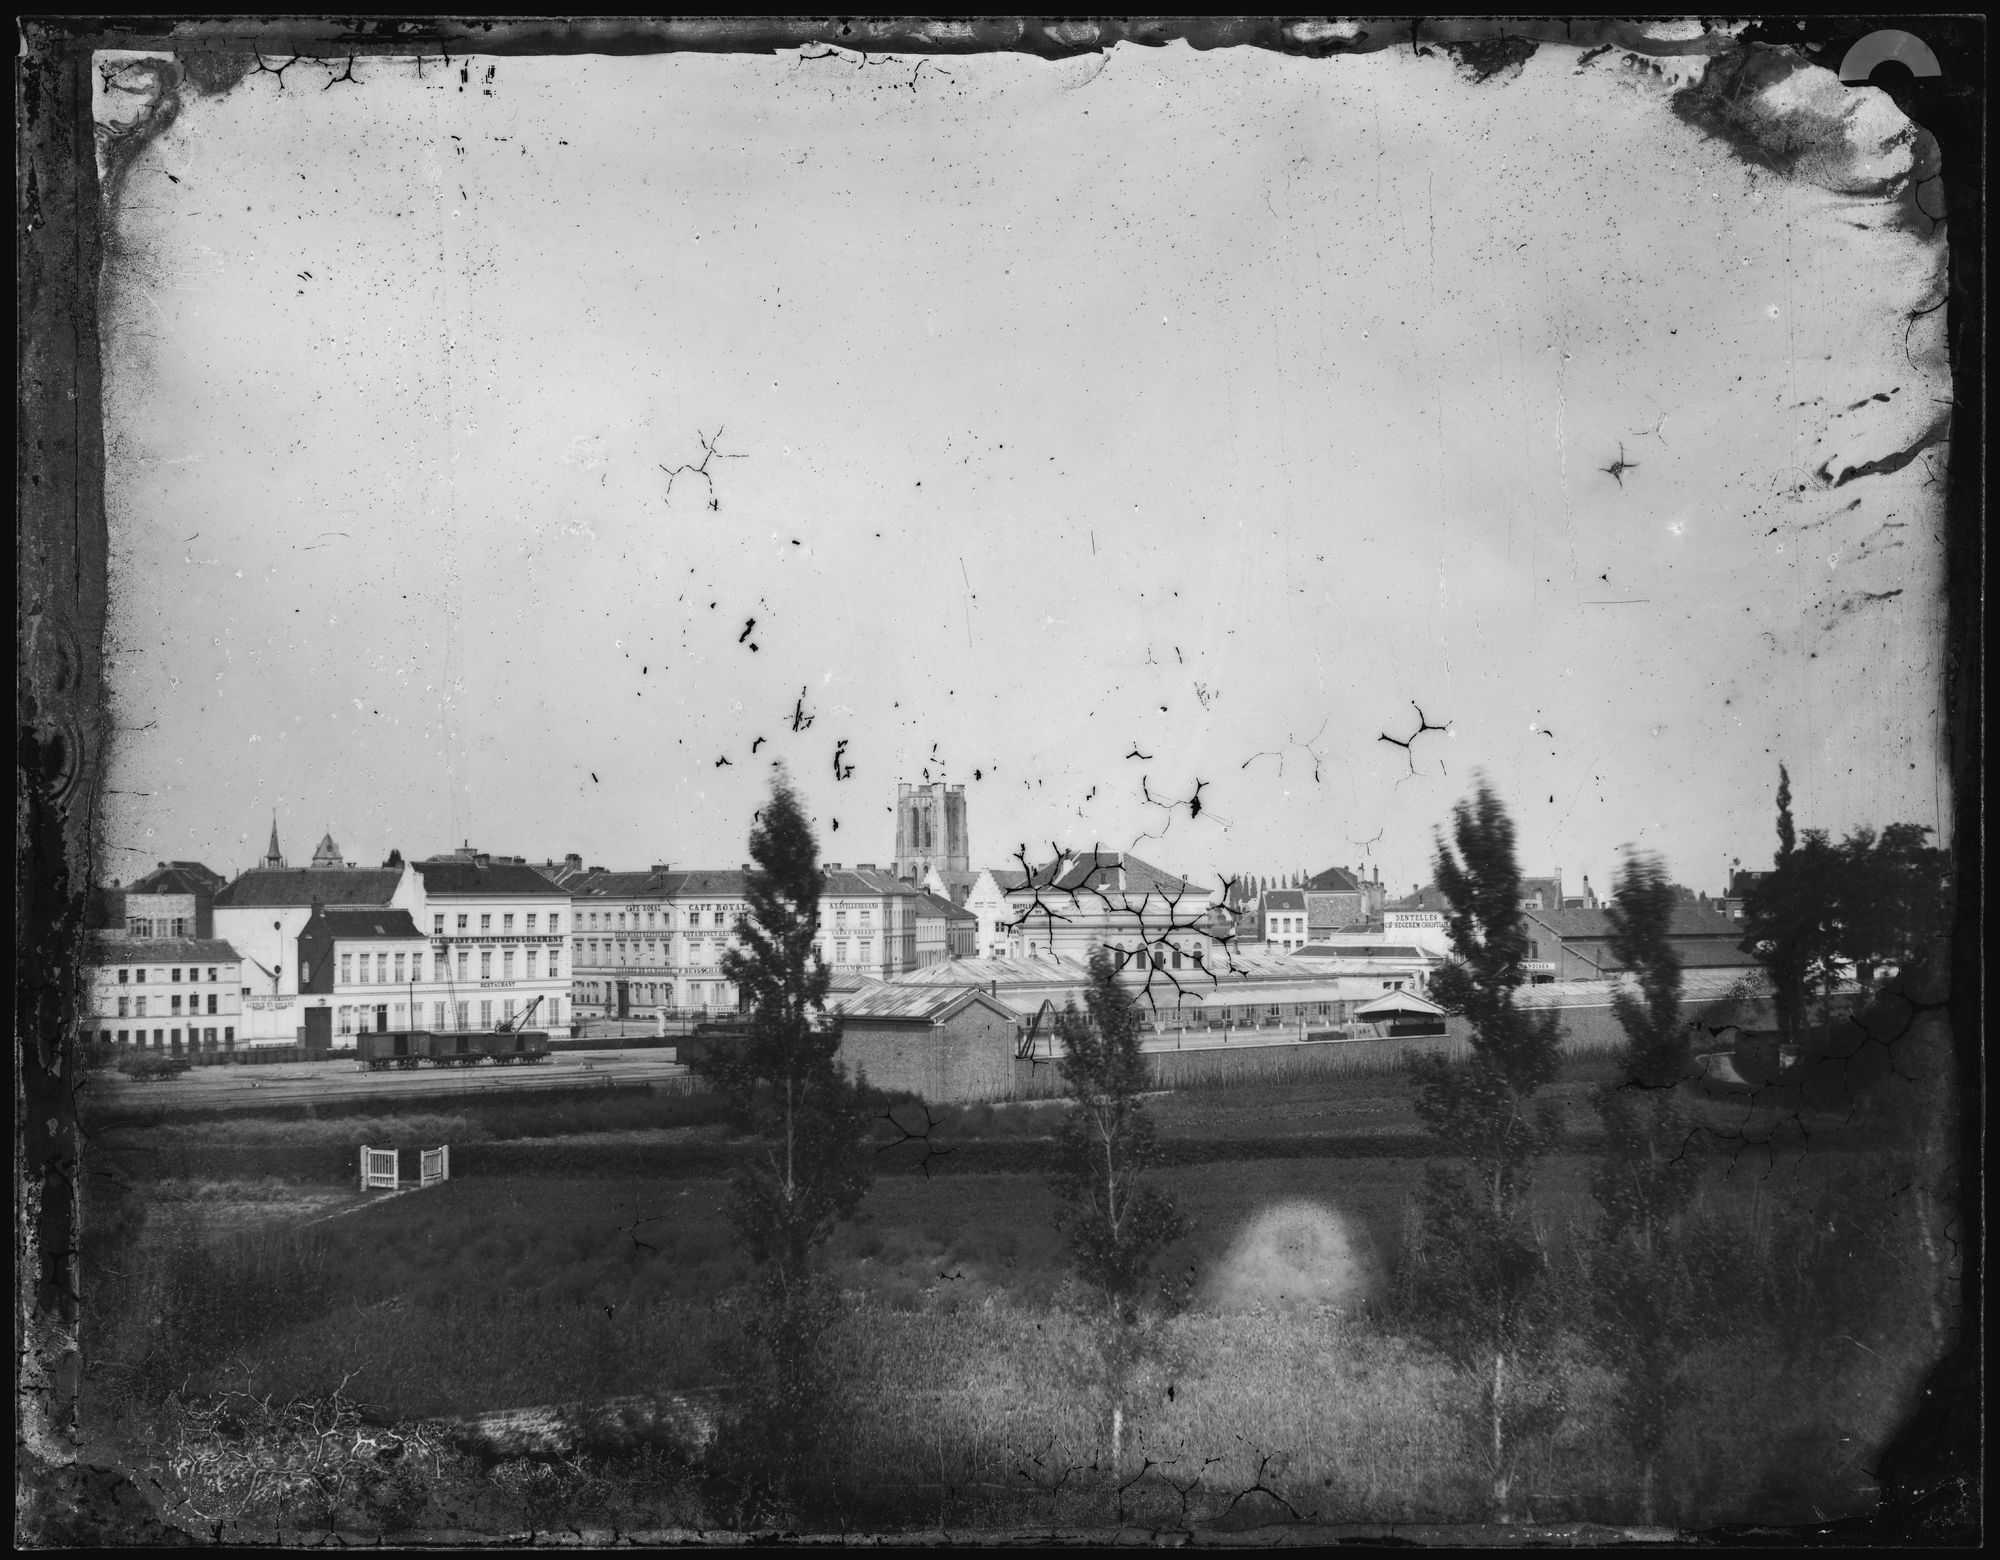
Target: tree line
x,y
1476,1280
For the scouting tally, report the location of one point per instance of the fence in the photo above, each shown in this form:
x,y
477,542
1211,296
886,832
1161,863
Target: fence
x,y
434,1166
382,1168
379,1169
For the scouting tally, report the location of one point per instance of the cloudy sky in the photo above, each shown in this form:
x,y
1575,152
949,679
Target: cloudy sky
x,y
1102,435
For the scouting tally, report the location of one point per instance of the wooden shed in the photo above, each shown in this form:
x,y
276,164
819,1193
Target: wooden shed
x,y
946,1045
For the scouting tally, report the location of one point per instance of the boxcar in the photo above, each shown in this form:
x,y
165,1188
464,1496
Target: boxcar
x,y
412,1048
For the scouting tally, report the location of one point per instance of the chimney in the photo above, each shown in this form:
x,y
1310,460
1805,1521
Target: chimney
x,y
663,866
573,860
748,868
864,866
833,866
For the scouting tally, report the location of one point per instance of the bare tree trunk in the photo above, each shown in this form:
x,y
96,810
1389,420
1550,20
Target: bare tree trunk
x,y
1500,1479
1646,1490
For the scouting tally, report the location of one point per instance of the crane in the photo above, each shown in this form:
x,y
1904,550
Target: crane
x,y
507,1026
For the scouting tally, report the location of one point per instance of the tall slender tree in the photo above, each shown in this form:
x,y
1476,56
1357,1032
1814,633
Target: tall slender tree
x,y
1645,1313
1775,920
1477,1262
783,1083
1116,1222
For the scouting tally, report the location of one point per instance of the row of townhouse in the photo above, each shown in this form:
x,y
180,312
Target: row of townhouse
x,y
316,954
653,943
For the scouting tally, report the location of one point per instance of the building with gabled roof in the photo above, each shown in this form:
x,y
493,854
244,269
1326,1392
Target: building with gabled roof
x,y
372,969
1281,914
1575,944
652,943
172,994
1110,899
945,1045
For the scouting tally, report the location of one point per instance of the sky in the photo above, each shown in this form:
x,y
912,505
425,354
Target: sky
x,y
1108,436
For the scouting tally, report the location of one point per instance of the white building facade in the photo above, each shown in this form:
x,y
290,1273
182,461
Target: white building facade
x,y
172,994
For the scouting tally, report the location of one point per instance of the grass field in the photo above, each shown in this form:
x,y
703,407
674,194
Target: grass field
x,y
973,1387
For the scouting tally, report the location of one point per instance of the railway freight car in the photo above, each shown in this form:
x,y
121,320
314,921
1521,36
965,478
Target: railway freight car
x,y
411,1048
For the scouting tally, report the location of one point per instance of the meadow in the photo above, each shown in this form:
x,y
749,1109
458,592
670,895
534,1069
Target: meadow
x,y
575,1257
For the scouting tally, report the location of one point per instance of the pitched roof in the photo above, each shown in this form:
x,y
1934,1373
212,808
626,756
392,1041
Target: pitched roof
x,y
916,1004
1334,880
307,885
937,904
1429,897
513,879
349,924
1395,1003
1008,878
1687,920
162,950
1285,899
1107,872
1400,951
177,877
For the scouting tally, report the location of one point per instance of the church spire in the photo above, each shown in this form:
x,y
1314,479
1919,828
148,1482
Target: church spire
x,y
272,857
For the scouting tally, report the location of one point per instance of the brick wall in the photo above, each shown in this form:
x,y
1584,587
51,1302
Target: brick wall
x,y
970,1057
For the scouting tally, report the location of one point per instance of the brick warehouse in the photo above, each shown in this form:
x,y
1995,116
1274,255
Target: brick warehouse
x,y
946,1045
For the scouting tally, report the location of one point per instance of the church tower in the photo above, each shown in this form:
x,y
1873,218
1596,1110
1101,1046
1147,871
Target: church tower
x,y
931,829
328,854
273,858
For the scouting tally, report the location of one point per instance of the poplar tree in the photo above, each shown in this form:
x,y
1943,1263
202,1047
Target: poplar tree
x,y
1115,1222
1645,1311
782,1083
1776,914
1476,1262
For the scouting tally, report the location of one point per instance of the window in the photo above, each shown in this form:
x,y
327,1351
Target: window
x,y
531,920
177,974
211,972
506,923
361,970
507,964
459,1013
381,969
485,963
347,969
532,961
347,1021
486,1015
507,1009
840,951
621,920
139,926
124,977
649,920
180,926
437,926
139,976
437,1015
555,924
719,919
416,966
211,1002
399,969
555,961
124,1036
177,1006
840,920
486,923
124,1005
464,964
462,921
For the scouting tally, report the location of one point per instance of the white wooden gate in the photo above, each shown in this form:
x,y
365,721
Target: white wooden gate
x,y
436,1166
379,1168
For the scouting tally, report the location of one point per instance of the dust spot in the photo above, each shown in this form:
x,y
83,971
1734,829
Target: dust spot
x,y
1295,1253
